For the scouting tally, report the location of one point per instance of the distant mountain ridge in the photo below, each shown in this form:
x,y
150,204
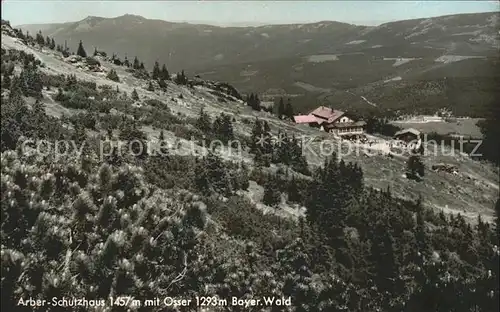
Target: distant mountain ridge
x,y
314,62
320,37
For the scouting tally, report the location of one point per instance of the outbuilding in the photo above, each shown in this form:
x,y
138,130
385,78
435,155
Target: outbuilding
x,y
407,135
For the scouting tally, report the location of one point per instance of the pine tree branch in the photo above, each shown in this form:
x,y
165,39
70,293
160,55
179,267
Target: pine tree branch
x,y
181,275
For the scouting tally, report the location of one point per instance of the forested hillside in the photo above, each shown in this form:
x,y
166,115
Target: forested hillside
x,y
158,223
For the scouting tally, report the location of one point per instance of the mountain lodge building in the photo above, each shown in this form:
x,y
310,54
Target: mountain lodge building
x,y
332,121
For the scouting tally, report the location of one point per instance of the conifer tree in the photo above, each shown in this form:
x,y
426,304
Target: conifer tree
x,y
112,75
161,137
60,95
162,84
22,82
95,51
134,95
20,34
420,232
382,253
272,195
223,128
52,44
267,146
39,38
297,159
16,89
256,103
181,78
415,168
201,180
256,136
136,64
490,130
141,66
6,81
156,70
203,122
249,99
329,194
164,74
81,51
163,150
293,191
261,143
10,69
150,86
129,132
79,136
126,62
281,109
289,110
34,82
211,175
282,149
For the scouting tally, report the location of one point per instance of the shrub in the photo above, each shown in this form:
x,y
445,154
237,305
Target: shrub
x,y
57,81
150,87
88,120
92,61
89,85
156,103
162,83
114,220
272,195
112,75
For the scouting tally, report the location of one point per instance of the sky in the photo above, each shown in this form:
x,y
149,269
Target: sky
x,y
240,13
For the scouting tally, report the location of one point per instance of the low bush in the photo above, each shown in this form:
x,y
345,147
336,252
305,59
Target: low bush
x,y
112,75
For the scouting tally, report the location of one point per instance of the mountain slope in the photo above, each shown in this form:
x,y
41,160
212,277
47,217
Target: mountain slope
x,y
325,62
187,46
473,191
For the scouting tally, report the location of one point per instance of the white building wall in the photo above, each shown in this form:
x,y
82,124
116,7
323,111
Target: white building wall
x,y
342,131
345,119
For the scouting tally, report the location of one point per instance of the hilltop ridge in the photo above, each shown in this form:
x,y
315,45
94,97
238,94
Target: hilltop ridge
x,y
322,61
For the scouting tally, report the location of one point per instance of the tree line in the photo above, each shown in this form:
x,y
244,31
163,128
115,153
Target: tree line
x,y
280,109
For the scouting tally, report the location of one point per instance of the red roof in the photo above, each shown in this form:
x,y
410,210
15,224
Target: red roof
x,y
327,113
305,119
